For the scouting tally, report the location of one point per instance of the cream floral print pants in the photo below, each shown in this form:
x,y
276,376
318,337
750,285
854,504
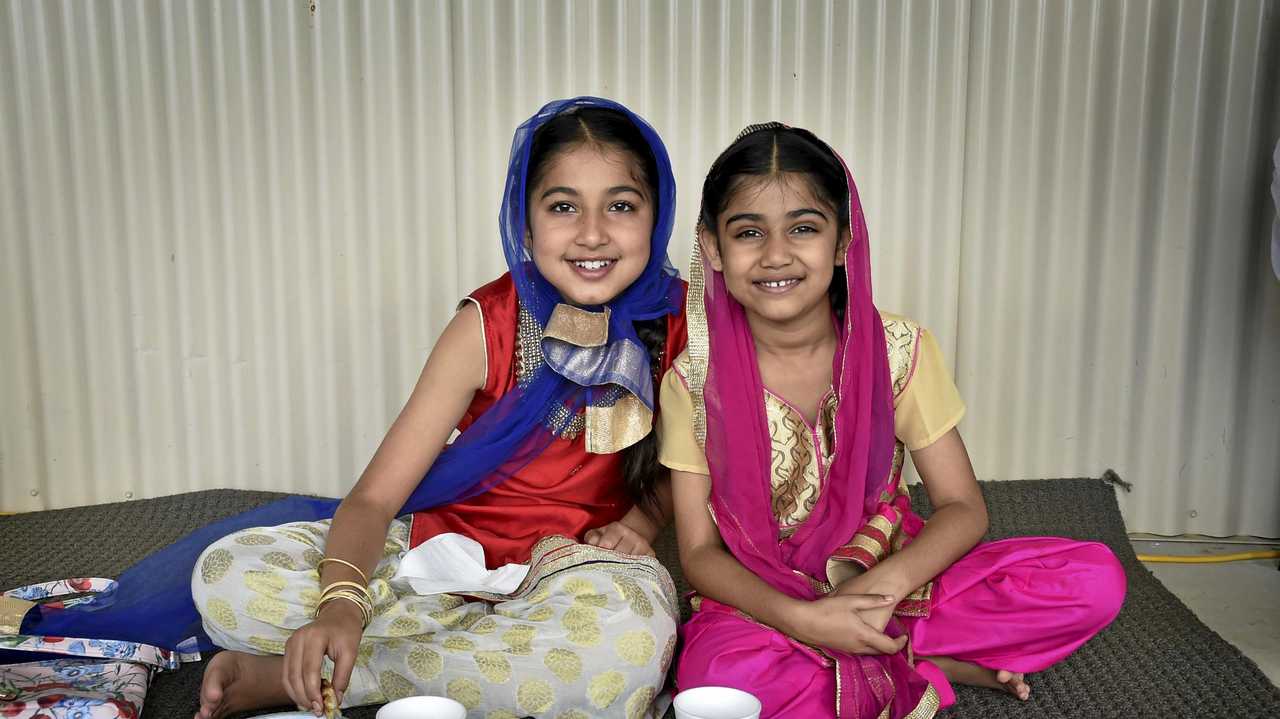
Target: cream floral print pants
x,y
589,633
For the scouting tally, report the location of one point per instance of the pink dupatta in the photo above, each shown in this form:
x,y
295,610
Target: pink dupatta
x,y
730,421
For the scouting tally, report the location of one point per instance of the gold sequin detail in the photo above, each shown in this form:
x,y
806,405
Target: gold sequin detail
x,y
631,591
494,666
364,653
215,565
520,639
264,582
266,645
395,686
565,664
640,701
459,644
636,647
280,559
605,688
424,663
484,625
572,714
267,610
312,557
542,595
309,598
220,611
535,696
253,539
465,692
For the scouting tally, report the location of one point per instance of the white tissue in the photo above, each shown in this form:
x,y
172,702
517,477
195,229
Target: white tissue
x,y
454,564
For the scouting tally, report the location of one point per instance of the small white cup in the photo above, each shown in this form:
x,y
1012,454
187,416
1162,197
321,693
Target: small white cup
x,y
423,708
715,703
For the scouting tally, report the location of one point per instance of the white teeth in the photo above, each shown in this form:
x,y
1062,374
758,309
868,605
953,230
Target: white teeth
x,y
593,264
779,284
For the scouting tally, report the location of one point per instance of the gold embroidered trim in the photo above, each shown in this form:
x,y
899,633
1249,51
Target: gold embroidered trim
x,y
883,524
901,337
699,345
577,326
612,429
871,546
556,553
529,361
12,612
929,704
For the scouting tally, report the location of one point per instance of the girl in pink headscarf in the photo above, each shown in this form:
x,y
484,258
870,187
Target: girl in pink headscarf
x,y
786,422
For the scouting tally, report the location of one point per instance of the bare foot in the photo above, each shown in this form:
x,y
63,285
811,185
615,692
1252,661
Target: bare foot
x,y
235,681
959,672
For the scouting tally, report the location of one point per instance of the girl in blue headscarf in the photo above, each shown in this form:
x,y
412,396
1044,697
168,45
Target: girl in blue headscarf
x,y
548,372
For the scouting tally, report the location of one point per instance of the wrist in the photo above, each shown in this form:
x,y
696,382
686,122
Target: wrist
x,y
343,611
888,580
793,618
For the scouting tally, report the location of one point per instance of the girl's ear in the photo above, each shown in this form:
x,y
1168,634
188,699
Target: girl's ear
x,y
710,248
842,246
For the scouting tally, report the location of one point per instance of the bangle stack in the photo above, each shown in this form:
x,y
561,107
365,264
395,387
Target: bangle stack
x,y
354,592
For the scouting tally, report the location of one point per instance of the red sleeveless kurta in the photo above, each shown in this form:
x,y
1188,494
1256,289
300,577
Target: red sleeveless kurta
x,y
565,490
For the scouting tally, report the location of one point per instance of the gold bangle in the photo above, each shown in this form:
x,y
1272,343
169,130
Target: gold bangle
x,y
340,585
366,611
336,591
344,563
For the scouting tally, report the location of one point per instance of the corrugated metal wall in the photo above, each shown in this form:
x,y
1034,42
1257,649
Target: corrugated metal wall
x,y
232,230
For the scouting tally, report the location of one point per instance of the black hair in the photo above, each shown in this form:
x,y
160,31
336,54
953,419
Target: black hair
x,y
601,127
609,128
770,150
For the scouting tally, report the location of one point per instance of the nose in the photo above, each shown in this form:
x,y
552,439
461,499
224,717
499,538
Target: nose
x,y
776,252
592,232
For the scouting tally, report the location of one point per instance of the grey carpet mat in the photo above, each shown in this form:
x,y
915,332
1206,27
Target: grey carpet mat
x,y
1156,660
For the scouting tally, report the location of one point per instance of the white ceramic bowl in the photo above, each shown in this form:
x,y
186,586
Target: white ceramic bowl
x,y
423,708
715,703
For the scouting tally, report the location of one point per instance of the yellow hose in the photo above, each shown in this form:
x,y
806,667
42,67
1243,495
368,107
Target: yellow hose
x,y
1210,559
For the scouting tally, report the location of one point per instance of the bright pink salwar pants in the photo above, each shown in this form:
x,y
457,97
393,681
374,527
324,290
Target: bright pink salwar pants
x,y
1020,604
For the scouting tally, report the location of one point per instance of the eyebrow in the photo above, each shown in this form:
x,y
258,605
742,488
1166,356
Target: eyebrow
x,y
561,189
615,190
807,211
756,217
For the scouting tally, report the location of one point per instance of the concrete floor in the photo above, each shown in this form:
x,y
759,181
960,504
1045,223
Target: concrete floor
x,y
1239,600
